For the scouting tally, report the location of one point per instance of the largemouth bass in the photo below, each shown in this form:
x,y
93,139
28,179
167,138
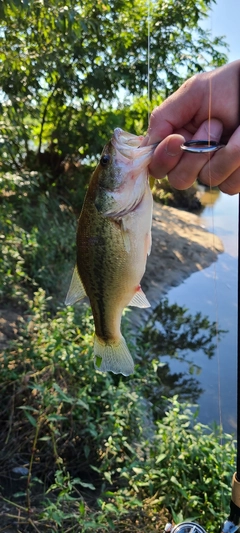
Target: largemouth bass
x,y
113,241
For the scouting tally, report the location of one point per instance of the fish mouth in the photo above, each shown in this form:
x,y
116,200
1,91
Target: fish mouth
x,y
129,167
129,151
126,138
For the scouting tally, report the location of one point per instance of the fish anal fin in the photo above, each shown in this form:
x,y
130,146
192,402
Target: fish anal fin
x,y
113,357
139,299
76,290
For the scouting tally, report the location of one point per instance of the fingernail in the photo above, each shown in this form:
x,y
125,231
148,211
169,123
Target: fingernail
x,y
145,141
172,149
150,140
213,129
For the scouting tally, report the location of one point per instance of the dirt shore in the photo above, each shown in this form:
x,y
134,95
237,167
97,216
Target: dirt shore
x,y
181,245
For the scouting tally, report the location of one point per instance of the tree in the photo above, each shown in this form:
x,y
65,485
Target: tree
x,y
66,66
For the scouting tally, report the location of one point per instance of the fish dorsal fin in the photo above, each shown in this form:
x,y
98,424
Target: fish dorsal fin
x,y
76,290
139,299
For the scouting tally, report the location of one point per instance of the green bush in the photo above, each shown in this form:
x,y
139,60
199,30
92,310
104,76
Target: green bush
x,y
96,452
37,232
188,468
61,393
89,437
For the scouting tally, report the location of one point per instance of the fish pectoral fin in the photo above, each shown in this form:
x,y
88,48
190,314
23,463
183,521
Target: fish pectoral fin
x,y
125,235
149,242
139,299
76,290
114,357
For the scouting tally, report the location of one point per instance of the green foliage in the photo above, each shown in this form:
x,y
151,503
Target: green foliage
x,y
37,237
67,67
64,413
81,432
93,452
62,398
188,468
96,452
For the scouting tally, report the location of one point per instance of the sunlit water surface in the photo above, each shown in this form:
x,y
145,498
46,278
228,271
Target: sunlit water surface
x,y
213,292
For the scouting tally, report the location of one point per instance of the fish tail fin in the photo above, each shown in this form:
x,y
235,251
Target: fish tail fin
x,y
113,357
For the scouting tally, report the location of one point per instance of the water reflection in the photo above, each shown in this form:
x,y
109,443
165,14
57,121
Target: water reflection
x,y
171,383
213,291
173,333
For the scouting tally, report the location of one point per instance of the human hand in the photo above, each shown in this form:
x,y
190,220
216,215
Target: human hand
x,y
185,115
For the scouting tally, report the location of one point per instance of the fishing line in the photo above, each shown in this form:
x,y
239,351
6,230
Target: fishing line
x,y
215,299
148,54
215,285
215,270
215,267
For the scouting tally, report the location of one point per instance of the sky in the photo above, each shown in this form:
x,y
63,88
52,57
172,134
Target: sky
x,y
225,20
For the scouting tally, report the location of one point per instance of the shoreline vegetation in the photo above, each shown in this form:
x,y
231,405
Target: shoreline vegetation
x,y
83,451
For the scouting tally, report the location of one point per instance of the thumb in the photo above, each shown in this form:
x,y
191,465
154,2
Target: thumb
x,y
166,156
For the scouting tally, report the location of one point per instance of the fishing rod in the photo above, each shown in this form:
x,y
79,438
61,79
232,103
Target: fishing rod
x,y
232,523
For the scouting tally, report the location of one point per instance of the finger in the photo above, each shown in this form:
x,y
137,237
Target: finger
x,y
187,170
166,156
232,184
176,111
224,163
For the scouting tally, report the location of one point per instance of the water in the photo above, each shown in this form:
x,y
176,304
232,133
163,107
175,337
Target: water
x,y
213,292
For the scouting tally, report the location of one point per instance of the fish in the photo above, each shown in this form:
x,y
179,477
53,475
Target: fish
x,y
113,242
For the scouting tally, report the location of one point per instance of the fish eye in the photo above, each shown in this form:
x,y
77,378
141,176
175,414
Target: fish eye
x,y
105,160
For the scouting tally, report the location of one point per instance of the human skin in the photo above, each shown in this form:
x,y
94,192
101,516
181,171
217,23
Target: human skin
x,y
205,107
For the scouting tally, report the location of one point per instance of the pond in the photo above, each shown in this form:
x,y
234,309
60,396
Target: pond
x,y
213,292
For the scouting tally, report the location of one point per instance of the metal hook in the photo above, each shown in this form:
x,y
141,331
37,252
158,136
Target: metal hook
x,y
199,147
